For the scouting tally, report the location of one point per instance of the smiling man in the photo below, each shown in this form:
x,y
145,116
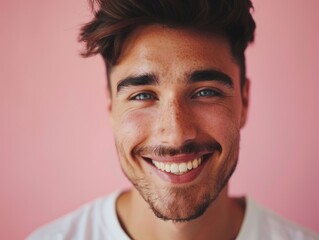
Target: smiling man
x,y
177,122
178,98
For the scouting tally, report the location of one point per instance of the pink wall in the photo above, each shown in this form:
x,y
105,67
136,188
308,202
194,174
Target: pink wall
x,y
56,146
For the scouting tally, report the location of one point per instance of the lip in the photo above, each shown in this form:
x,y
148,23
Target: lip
x,y
185,177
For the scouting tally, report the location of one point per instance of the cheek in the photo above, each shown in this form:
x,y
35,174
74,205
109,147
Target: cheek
x,y
132,127
220,121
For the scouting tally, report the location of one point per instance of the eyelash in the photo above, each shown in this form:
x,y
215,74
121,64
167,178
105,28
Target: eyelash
x,y
213,93
137,97
142,96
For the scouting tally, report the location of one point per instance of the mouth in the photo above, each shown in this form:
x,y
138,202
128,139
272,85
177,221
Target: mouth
x,y
180,167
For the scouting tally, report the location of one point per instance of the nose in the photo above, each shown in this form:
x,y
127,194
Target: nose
x,y
175,125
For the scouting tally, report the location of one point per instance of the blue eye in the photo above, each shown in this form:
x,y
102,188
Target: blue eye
x,y
207,93
143,96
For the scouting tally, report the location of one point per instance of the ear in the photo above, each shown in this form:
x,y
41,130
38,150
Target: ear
x,y
245,102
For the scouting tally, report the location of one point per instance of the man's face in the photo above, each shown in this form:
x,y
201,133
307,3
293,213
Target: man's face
x,y
176,110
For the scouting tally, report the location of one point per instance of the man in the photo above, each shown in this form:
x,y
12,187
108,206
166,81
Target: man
x,y
178,97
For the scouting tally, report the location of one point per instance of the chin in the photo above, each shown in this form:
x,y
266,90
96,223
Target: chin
x,y
183,204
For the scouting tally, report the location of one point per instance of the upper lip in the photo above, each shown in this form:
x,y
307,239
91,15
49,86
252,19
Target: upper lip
x,y
176,158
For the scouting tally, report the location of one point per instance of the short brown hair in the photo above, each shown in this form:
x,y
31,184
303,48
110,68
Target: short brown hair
x,y
115,19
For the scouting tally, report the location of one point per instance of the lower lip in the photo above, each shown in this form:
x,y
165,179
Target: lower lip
x,y
180,179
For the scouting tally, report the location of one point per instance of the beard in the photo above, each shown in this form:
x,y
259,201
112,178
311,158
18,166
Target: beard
x,y
185,203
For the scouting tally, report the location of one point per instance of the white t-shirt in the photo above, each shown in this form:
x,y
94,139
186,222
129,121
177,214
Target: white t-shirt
x,y
98,221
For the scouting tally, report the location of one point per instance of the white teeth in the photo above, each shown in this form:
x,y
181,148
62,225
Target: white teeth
x,y
195,163
174,168
178,168
189,165
182,167
162,166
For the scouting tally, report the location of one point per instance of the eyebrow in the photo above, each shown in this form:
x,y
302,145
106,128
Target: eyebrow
x,y
193,77
138,80
210,75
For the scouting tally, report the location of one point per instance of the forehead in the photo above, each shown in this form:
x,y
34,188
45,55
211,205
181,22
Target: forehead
x,y
170,53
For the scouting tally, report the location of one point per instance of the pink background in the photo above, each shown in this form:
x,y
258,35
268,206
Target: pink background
x,y
56,145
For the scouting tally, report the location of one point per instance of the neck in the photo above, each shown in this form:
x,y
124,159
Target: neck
x,y
222,220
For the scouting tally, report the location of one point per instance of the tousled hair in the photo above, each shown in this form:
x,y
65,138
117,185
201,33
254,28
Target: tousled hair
x,y
114,20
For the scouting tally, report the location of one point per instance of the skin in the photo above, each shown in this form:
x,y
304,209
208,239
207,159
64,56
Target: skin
x,y
169,113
